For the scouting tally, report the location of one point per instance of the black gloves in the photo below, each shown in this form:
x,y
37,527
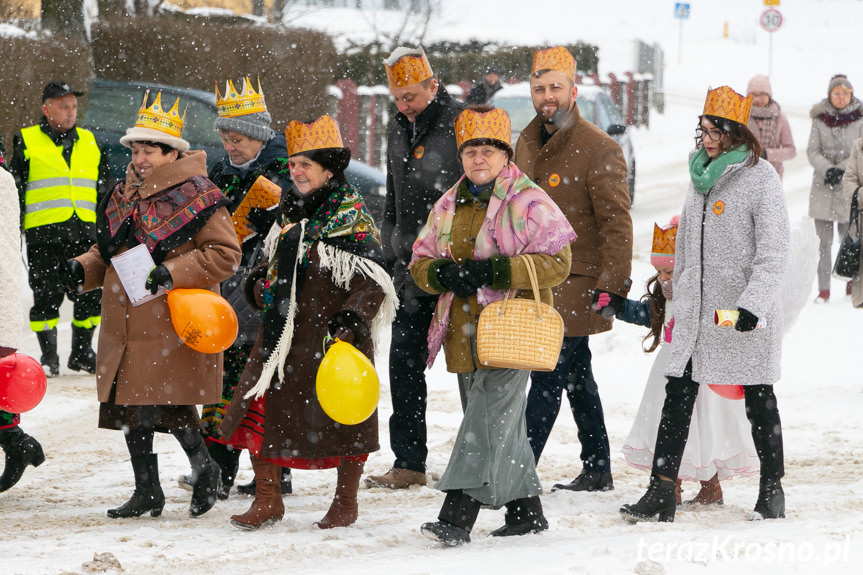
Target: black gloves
x,y
613,307
261,220
455,278
480,273
746,321
159,276
349,327
71,274
834,176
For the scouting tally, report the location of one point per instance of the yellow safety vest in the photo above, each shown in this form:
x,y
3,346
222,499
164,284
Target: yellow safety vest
x,y
54,189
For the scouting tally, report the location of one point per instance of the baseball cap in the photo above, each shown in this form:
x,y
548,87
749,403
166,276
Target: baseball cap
x,y
58,89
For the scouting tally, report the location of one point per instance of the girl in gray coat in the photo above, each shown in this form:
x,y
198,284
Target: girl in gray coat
x,y
836,124
732,245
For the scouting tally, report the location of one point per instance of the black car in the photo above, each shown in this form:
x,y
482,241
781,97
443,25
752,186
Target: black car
x,y
113,106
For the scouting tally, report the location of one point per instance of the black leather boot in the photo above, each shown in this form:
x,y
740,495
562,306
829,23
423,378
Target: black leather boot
x,y
523,516
48,344
82,358
148,495
659,500
771,501
455,520
285,484
228,460
21,451
206,478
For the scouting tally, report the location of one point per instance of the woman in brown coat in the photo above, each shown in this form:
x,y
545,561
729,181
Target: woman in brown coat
x,y
325,275
147,379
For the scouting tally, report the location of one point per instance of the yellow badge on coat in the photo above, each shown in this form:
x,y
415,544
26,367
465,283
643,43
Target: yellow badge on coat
x,y
554,180
719,207
419,151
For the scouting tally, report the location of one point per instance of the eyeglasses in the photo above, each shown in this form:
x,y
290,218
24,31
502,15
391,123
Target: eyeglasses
x,y
485,152
712,135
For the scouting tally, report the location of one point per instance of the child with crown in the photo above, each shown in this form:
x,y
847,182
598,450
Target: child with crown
x,y
720,442
324,276
147,380
477,244
731,251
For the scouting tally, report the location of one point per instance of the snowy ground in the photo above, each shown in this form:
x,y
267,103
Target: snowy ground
x,y
54,520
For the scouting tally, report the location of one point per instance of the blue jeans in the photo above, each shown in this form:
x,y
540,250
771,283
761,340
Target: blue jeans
x,y
408,355
573,374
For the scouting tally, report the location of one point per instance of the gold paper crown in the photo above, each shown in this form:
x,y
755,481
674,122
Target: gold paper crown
x,y
473,125
409,70
155,117
236,103
320,134
726,103
557,58
664,243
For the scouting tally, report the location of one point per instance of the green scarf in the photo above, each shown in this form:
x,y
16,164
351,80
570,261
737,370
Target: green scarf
x,y
704,171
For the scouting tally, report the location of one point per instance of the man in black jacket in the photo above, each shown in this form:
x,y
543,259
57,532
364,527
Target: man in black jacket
x,y
422,164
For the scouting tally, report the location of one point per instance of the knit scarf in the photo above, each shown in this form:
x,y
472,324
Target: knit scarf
x,y
161,221
347,241
520,219
765,124
838,119
704,171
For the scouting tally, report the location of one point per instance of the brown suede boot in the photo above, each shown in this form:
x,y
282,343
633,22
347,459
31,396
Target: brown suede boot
x,y
343,510
711,493
678,491
267,506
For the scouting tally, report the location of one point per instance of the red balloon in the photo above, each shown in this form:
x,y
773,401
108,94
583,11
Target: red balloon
x,y
22,383
728,391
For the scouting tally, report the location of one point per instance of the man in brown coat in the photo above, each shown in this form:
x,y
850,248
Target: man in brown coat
x,y
584,171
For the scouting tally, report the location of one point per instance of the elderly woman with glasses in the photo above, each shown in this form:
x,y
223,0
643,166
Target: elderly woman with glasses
x,y
466,253
731,250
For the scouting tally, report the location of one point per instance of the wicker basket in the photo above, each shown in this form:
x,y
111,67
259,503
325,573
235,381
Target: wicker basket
x,y
519,333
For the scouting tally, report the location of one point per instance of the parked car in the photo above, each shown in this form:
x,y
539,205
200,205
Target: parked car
x,y
594,105
113,106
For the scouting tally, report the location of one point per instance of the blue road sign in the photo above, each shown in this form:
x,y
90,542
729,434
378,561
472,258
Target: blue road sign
x,y
681,11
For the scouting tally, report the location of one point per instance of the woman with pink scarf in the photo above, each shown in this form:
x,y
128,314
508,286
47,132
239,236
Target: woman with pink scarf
x,y
465,253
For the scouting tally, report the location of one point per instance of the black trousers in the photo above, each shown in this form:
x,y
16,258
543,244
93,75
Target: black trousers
x,y
408,355
574,375
761,410
48,294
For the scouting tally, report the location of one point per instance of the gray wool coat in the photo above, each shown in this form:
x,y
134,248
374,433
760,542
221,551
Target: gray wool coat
x,y
830,148
852,179
732,246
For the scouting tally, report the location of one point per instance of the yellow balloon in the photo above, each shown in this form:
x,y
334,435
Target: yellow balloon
x,y
347,384
203,320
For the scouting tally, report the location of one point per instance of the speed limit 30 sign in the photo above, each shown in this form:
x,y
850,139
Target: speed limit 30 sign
x,y
771,20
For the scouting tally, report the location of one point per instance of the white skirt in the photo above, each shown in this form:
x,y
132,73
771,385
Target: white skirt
x,y
720,437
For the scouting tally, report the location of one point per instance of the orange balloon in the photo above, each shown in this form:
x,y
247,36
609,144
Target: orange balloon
x,y
203,320
728,391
